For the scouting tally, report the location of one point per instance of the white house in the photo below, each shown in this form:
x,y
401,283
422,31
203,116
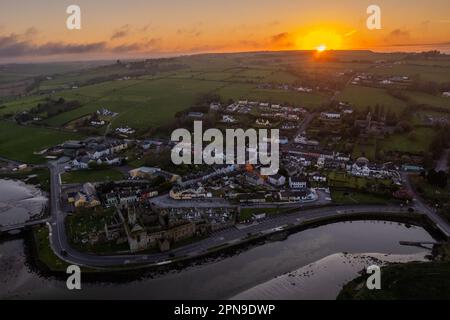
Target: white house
x,y
298,182
228,119
331,115
81,163
277,180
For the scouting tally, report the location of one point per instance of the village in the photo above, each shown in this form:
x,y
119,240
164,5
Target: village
x,y
156,206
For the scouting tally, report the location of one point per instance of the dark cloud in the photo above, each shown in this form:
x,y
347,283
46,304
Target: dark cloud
x,y
144,45
121,33
399,33
23,45
15,45
283,39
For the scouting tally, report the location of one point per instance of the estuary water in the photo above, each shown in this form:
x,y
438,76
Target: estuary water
x,y
245,273
19,202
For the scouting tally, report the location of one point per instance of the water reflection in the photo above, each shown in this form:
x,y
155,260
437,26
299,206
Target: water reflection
x,y
19,202
227,277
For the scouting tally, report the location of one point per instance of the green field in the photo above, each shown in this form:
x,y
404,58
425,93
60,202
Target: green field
x,y
428,99
403,142
20,142
45,253
364,150
91,175
422,72
140,103
343,180
352,197
362,97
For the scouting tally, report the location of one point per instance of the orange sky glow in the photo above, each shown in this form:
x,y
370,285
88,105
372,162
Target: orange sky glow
x,y
150,28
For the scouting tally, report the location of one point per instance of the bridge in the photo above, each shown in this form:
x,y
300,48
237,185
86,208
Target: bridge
x,y
421,244
20,226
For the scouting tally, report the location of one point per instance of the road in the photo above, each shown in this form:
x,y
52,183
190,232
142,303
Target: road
x,y
308,119
421,206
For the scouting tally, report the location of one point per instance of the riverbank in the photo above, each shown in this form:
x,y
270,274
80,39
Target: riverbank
x,y
21,202
220,277
55,265
322,280
414,280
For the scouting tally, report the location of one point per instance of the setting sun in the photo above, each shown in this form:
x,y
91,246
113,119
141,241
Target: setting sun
x,y
321,48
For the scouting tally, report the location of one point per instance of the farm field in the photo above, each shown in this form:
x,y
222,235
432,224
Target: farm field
x,y
426,73
404,143
20,142
428,99
362,97
140,103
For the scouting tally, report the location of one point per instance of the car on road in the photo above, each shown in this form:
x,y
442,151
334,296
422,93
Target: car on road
x,y
64,253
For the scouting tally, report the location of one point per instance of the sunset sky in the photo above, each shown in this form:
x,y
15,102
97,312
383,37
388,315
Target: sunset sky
x,y
36,30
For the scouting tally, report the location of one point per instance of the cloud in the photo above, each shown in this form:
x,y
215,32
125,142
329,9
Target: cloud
x,y
398,36
189,32
398,33
283,39
23,45
14,46
121,33
152,44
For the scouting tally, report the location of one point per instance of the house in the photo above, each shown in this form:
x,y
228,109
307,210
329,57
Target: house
x,y
298,182
360,168
215,106
262,122
228,119
127,198
143,172
195,115
86,198
147,144
99,150
277,180
293,170
125,130
111,161
331,115
283,140
117,146
253,178
81,162
319,178
188,194
412,168
112,199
